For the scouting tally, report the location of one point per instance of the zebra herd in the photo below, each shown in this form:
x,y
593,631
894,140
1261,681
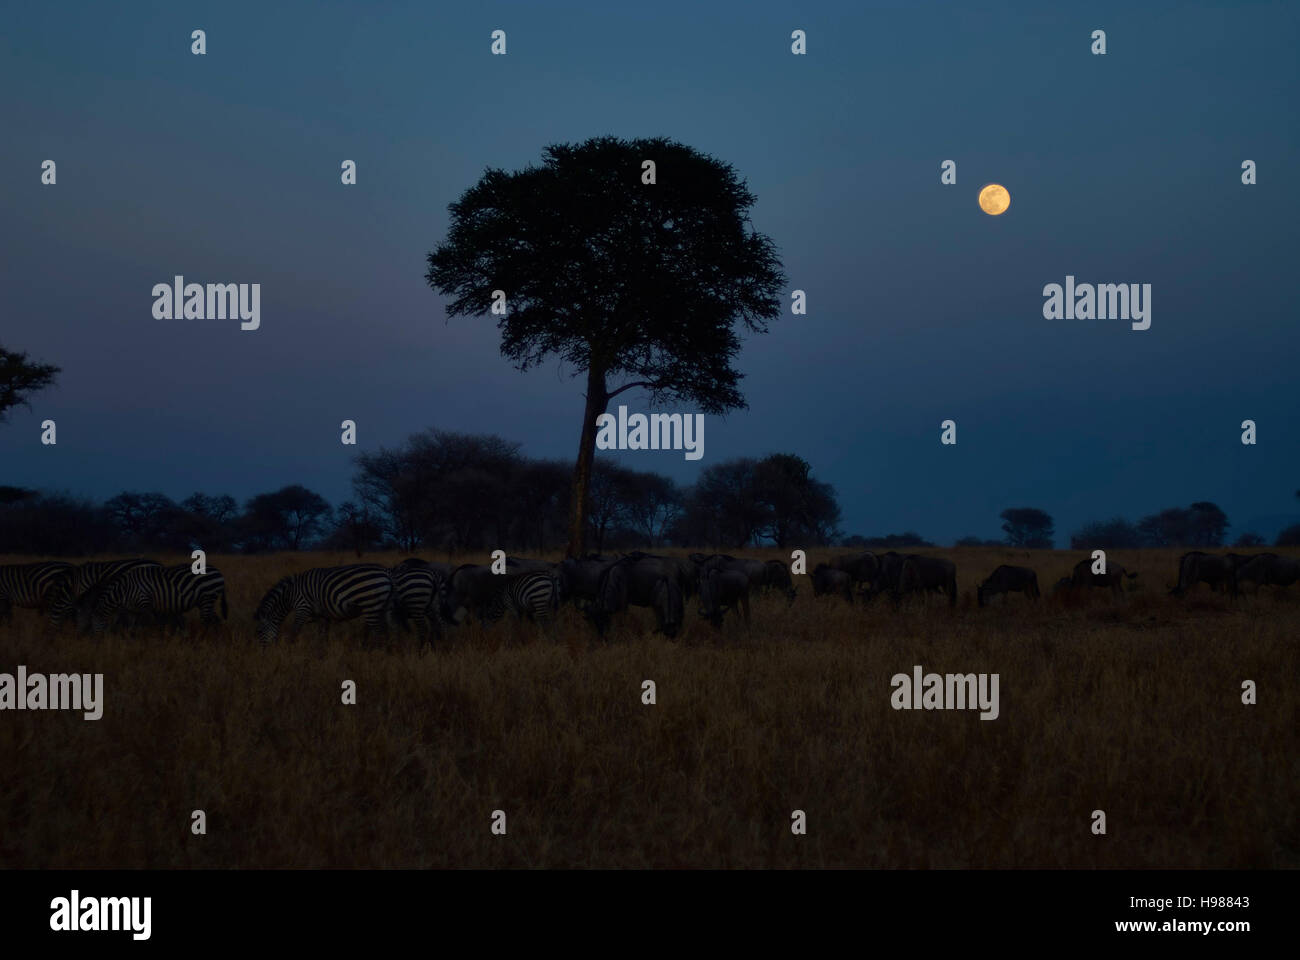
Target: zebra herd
x,y
426,597
415,594
103,594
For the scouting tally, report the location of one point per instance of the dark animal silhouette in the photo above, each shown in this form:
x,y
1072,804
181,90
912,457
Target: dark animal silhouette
x,y
1268,569
1197,567
827,579
921,574
1112,578
722,590
1008,579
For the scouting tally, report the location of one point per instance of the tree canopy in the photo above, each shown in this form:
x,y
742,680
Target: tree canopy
x,y
635,284
20,378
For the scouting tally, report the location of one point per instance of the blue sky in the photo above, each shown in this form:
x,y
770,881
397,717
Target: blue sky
x,y
225,168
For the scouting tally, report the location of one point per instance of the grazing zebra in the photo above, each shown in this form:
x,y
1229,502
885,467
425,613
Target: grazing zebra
x,y
534,595
327,595
415,592
76,593
167,591
30,585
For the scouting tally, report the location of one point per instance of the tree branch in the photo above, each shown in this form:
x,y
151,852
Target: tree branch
x,y
629,386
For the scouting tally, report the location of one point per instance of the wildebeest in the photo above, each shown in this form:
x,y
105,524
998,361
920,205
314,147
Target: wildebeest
x,y
468,591
682,570
1113,577
1268,569
580,577
776,574
669,607
889,567
1063,586
828,579
611,596
688,577
761,574
861,567
723,589
640,580
1008,579
1196,567
751,568
475,589
920,574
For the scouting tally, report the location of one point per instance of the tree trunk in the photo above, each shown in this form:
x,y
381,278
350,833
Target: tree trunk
x,y
597,401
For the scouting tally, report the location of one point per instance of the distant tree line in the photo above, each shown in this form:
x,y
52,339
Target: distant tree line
x,y
458,492
292,518
1202,524
446,492
453,493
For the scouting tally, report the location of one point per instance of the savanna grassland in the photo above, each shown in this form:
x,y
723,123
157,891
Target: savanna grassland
x,y
1131,706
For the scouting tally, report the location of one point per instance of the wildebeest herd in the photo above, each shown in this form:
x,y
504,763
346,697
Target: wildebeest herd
x,y
1231,571
427,597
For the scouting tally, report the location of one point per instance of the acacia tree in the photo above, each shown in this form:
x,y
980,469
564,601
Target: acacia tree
x,y
20,377
289,517
1028,527
635,284
799,508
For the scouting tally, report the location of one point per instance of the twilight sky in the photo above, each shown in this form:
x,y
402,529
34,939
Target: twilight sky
x,y
225,168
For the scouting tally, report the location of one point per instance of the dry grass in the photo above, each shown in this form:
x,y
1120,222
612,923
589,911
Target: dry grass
x,y
1132,707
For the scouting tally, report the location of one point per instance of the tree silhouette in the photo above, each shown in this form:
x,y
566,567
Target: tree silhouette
x,y
1209,525
799,508
19,378
633,284
1028,527
285,519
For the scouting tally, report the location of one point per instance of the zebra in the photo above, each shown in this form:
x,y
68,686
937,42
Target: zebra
x,y
415,594
76,593
327,595
167,591
534,595
31,585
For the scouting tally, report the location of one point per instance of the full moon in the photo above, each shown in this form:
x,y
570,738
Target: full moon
x,y
994,199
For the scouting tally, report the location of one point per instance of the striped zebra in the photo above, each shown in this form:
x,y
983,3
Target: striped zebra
x,y
415,594
76,594
534,595
31,585
167,592
327,595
